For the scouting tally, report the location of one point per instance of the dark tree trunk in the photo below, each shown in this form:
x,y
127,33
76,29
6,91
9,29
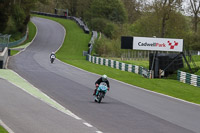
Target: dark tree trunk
x,y
195,23
163,27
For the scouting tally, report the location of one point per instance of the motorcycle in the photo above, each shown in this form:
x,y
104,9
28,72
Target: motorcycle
x,y
52,58
101,91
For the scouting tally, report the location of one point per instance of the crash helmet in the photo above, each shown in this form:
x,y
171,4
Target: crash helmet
x,y
52,52
104,77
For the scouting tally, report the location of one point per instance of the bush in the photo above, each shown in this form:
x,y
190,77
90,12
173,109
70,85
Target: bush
x,y
110,30
106,47
19,17
112,10
198,72
11,26
105,26
98,24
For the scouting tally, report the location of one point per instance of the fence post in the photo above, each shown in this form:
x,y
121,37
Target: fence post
x,y
126,67
120,65
115,64
104,62
198,81
188,78
109,63
133,68
178,75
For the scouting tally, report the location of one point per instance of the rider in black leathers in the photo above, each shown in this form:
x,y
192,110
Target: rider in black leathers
x,y
102,79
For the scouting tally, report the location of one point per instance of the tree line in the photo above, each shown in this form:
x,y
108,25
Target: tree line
x,y
114,18
15,15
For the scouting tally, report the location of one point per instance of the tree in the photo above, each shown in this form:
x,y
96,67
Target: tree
x,y
71,5
4,13
195,6
82,6
15,15
112,10
150,24
163,9
133,9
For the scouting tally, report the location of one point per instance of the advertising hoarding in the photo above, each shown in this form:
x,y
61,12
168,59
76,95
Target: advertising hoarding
x,y
157,44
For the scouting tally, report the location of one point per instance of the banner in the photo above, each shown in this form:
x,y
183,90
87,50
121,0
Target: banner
x,y
157,44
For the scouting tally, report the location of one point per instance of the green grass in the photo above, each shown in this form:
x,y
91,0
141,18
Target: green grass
x,y
31,35
2,130
76,41
16,36
13,52
143,63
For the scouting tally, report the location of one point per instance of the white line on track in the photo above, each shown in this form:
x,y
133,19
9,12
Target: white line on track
x,y
66,111
135,86
6,127
99,132
60,108
87,124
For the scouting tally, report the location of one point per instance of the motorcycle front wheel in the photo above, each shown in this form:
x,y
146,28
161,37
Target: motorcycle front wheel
x,y
52,60
100,96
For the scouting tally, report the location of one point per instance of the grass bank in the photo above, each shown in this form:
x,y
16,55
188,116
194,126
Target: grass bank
x,y
76,41
31,35
2,130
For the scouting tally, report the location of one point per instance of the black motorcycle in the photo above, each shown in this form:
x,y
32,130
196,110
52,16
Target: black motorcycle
x,y
52,58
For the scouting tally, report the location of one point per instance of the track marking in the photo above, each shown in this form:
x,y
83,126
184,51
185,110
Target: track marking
x,y
99,132
87,124
15,79
28,44
55,105
6,127
178,99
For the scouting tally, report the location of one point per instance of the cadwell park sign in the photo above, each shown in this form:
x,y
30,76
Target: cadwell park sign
x,y
152,44
158,44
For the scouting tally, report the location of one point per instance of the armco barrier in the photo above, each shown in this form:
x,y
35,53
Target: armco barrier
x,y
92,40
119,65
15,43
3,58
188,78
18,41
77,20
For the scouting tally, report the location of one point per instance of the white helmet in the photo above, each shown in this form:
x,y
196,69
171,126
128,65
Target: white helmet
x,y
52,52
104,77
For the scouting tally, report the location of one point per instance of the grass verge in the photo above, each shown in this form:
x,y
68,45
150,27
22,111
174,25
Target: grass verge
x,y
18,81
76,41
13,52
31,35
2,130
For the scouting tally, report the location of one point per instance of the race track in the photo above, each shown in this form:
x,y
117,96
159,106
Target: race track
x,y
125,109
23,113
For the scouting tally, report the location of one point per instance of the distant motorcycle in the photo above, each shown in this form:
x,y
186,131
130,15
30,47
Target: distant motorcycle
x,y
52,58
101,91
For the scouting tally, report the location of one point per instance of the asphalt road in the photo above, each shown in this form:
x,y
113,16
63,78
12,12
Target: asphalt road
x,y
23,113
125,109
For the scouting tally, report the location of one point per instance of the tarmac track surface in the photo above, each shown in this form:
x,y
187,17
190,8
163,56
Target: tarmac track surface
x,y
23,113
125,109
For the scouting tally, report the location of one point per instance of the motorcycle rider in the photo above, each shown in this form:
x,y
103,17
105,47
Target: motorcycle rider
x,y
103,78
52,55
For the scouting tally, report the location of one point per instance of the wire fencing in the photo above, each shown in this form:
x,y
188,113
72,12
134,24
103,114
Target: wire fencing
x,y
144,55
